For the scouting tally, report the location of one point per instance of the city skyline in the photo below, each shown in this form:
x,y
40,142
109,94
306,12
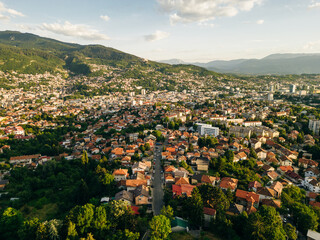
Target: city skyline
x,y
185,29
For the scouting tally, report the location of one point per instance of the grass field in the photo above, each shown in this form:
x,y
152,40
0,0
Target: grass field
x,y
48,211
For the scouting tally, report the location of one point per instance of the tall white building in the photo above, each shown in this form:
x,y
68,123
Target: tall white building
x,y
207,129
270,96
314,126
293,88
143,92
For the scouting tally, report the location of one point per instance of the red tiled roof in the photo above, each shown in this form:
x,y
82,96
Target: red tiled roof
x,y
209,211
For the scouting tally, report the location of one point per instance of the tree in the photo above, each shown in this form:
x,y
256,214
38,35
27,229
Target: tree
x,y
253,153
229,155
100,223
196,208
265,224
160,227
167,211
214,197
72,233
290,231
82,217
104,177
84,158
29,229
10,222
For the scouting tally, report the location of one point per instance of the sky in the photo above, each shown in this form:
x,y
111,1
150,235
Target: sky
x,y
190,30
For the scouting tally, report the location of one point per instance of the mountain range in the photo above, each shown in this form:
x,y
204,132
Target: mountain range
x,y
272,64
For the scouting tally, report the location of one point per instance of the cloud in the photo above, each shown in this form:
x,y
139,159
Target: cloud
x,y
314,4
74,30
3,17
158,35
187,11
10,12
315,45
261,21
105,18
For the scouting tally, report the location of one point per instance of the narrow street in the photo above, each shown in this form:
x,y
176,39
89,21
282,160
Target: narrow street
x,y
157,190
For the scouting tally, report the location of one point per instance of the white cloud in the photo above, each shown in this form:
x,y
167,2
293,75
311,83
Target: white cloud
x,y
74,30
315,45
314,4
105,18
261,21
3,17
158,35
204,10
10,12
206,24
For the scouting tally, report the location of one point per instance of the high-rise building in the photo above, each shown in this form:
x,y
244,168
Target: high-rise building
x,y
207,129
143,92
314,126
270,96
271,88
293,88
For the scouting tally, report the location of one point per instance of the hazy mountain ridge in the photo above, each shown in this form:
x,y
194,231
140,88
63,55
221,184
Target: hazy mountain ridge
x,y
289,63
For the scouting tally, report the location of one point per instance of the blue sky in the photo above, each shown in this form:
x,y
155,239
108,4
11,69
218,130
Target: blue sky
x,y
191,30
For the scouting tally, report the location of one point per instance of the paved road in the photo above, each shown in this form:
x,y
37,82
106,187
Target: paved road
x,y
157,195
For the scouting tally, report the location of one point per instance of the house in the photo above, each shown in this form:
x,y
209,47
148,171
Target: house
x,y
181,181
272,175
210,180
182,190
285,161
294,177
120,174
284,169
229,183
179,225
277,187
209,214
132,184
312,184
117,152
247,199
312,196
276,203
266,193
125,196
141,195
313,235
261,153
305,163
202,164
255,144
235,209
240,156
254,185
27,159
139,167
312,172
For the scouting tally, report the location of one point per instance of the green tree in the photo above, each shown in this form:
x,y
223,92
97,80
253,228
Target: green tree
x,y
160,227
290,231
84,158
167,211
196,208
29,229
10,222
214,197
72,233
265,224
